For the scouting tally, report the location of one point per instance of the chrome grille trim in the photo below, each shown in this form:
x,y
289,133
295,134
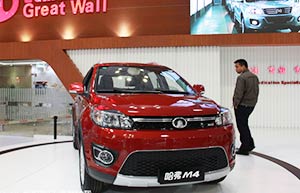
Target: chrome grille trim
x,y
152,120
278,11
165,120
201,119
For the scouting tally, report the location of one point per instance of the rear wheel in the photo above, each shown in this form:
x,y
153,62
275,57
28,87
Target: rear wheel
x,y
87,182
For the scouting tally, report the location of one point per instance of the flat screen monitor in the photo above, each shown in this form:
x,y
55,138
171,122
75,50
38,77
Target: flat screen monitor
x,y
244,16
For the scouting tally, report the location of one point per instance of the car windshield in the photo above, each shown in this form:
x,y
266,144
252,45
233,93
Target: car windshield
x,y
134,79
250,1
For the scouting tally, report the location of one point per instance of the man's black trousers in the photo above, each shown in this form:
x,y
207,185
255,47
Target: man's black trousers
x,y
242,114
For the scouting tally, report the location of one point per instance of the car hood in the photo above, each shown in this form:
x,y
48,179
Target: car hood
x,y
271,4
158,104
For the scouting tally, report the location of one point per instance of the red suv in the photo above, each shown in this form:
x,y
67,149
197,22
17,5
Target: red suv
x,y
143,125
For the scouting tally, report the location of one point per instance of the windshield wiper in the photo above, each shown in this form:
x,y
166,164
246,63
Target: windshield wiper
x,y
119,90
172,91
114,90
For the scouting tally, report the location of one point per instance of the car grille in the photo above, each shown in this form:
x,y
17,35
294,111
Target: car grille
x,y
158,123
278,11
149,163
278,19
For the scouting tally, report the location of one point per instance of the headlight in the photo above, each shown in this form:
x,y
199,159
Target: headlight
x,y
296,9
255,11
224,117
111,119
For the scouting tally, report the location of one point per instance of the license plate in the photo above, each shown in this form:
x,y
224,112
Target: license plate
x,y
178,176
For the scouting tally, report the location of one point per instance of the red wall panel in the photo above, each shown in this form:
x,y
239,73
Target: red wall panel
x,y
147,17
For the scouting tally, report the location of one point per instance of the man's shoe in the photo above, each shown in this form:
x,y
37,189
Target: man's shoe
x,y
250,149
242,152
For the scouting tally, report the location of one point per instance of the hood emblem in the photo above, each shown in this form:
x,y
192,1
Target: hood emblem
x,y
179,122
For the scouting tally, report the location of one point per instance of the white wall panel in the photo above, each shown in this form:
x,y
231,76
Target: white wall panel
x,y
213,67
278,105
196,64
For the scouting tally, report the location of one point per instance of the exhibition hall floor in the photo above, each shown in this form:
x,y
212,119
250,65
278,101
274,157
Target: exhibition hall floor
x,y
53,168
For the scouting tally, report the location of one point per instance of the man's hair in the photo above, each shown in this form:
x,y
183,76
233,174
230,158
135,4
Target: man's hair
x,y
242,62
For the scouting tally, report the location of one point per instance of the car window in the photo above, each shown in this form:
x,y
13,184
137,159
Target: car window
x,y
87,80
174,82
140,79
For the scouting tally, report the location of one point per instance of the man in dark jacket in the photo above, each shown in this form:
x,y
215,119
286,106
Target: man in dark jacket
x,y
244,100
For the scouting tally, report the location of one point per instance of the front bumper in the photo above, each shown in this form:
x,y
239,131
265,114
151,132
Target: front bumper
x,y
127,142
146,181
271,22
214,165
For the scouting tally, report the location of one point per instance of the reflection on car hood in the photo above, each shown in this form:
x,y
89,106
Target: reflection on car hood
x,y
271,4
158,104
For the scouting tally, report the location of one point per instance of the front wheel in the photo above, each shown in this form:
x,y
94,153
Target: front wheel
x,y
87,182
295,29
237,24
244,29
75,137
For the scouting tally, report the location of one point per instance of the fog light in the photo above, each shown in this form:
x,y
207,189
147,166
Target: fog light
x,y
254,22
103,156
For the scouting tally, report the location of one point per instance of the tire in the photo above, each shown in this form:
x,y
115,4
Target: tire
x,y
75,137
86,181
216,181
243,27
295,29
236,24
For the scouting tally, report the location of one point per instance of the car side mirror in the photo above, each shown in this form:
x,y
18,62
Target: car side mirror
x,y
76,88
199,88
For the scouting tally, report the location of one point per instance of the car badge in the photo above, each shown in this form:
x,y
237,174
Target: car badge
x,y
279,11
179,122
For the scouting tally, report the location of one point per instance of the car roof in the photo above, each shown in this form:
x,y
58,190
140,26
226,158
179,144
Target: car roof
x,y
128,64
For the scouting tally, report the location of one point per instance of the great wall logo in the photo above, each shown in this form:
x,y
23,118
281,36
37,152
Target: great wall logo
x,y
44,8
5,15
